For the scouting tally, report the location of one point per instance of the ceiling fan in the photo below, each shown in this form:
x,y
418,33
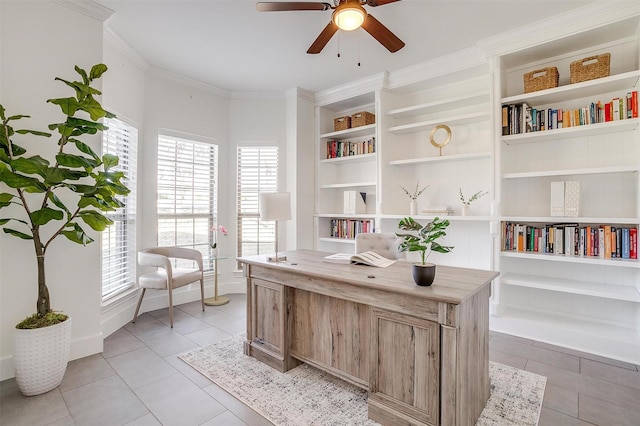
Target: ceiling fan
x,y
347,15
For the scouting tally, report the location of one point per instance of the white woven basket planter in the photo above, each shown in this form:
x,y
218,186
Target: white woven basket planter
x,y
41,357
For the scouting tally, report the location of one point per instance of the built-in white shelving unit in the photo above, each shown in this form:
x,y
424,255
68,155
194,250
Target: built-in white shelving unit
x,y
587,303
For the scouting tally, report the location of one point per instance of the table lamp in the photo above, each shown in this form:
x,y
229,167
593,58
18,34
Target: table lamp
x,y
275,206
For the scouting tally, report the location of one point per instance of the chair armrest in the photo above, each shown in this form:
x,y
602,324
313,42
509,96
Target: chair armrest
x,y
185,253
157,260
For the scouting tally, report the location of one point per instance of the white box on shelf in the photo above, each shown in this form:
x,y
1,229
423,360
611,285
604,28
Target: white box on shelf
x,y
557,199
354,202
572,198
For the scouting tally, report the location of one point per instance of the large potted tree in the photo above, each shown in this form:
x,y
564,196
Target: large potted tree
x,y
48,199
423,239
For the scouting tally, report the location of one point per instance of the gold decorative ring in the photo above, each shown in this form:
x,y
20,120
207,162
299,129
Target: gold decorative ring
x,y
433,132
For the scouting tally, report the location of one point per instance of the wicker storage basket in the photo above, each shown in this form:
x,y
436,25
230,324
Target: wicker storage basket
x,y
541,79
589,68
362,119
342,123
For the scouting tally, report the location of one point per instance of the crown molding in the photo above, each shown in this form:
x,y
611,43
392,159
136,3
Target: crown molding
x,y
180,79
575,21
88,8
298,93
349,90
267,96
115,40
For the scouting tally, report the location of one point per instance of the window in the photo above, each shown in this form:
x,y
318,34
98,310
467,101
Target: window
x,y
119,239
187,194
257,172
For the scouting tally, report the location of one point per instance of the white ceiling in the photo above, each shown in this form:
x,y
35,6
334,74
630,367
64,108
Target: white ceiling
x,y
228,44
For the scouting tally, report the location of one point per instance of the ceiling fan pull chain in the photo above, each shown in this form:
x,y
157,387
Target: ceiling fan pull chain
x,y
359,45
339,44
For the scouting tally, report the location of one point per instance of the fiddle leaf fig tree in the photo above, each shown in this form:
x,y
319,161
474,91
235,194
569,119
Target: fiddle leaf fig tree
x,y
86,182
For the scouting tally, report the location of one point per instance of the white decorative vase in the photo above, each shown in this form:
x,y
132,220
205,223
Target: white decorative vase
x,y
41,357
465,210
214,252
413,207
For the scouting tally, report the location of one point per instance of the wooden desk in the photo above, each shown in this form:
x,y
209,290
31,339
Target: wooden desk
x,y
421,352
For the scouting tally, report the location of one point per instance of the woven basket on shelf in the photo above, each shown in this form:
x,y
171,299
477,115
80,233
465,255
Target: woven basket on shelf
x,y
362,119
544,78
342,123
589,68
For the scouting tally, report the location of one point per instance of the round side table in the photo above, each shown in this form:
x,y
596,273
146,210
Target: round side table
x,y
217,300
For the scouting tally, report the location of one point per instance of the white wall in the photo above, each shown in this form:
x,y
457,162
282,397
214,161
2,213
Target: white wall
x,y
259,119
39,41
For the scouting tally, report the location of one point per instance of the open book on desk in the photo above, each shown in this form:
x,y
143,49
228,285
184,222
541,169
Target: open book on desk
x,y
366,258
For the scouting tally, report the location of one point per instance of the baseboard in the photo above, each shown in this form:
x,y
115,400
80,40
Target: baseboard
x,y
114,318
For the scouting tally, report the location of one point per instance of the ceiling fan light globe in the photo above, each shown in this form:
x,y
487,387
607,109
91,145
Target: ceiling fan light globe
x,y
349,18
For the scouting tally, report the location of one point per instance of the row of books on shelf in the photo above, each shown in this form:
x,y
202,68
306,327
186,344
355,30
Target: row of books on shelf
x,y
349,228
337,149
571,239
521,118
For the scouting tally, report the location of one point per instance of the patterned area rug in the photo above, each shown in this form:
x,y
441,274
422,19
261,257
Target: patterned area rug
x,y
308,396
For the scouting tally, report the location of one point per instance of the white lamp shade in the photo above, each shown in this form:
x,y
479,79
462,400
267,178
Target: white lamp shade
x,y
349,17
275,206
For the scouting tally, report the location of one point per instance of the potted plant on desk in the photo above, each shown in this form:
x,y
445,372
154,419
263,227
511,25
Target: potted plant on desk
x,y
46,200
423,239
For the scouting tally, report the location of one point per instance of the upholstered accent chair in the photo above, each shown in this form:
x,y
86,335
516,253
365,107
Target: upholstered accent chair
x,y
384,244
166,277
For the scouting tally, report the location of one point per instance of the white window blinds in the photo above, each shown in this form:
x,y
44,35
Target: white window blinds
x,y
119,239
257,173
187,194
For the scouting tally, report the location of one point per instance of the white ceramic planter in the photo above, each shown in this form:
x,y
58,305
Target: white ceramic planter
x,y
41,357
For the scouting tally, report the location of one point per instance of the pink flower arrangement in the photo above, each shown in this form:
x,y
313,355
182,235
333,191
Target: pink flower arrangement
x,y
215,230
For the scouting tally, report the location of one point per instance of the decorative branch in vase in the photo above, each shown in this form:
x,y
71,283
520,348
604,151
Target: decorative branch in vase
x,y
413,204
466,203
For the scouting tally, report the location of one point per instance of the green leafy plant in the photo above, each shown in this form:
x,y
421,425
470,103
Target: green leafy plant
x,y
473,198
38,186
423,238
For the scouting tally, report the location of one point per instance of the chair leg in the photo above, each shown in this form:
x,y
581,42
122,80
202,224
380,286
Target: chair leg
x,y
139,304
202,292
171,307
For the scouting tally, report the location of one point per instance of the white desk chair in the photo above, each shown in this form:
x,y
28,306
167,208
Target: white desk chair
x,y
384,244
168,277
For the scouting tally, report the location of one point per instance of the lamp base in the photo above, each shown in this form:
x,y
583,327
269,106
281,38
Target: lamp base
x,y
277,258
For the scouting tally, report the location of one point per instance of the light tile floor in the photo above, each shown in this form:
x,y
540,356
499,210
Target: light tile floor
x,y
138,379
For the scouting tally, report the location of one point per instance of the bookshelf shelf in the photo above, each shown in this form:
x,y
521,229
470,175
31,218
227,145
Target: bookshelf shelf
x,y
599,289
347,185
573,132
573,172
428,124
591,260
368,130
581,220
440,105
577,333
452,218
338,240
441,159
345,216
350,159
584,89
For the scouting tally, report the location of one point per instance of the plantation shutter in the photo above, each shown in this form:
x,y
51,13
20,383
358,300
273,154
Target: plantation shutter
x,y
187,194
257,173
119,239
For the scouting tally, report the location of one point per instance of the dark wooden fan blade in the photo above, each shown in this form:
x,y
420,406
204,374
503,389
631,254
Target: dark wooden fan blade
x,y
323,38
382,34
374,3
281,6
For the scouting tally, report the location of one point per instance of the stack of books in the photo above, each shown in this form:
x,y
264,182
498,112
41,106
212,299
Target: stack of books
x,y
438,211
